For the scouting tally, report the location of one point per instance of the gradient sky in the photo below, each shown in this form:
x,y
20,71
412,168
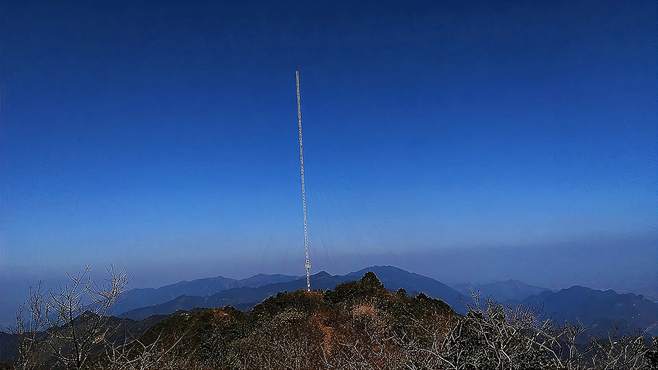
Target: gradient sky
x,y
162,134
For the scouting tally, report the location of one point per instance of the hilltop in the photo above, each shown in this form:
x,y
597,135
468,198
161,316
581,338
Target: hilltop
x,y
246,297
374,316
359,324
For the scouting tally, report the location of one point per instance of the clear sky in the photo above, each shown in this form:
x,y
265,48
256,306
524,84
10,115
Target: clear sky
x,y
161,135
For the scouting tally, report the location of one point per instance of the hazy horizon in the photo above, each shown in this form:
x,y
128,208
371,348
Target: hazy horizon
x,y
548,266
450,265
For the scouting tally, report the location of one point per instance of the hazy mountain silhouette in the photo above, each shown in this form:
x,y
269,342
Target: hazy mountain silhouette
x,y
393,278
501,291
8,347
136,298
598,310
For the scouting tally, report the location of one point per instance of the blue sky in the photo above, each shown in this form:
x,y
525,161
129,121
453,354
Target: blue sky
x,y
163,134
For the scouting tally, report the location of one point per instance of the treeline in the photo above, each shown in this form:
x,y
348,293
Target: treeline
x,y
358,325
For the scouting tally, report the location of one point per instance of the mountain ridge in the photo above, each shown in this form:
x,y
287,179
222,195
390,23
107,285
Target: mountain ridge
x,y
600,310
392,277
510,290
141,297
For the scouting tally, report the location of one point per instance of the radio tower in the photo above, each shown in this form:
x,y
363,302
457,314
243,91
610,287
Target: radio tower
x,y
307,258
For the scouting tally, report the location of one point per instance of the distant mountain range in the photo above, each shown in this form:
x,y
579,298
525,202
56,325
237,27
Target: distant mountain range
x,y
501,291
137,298
357,314
599,311
246,297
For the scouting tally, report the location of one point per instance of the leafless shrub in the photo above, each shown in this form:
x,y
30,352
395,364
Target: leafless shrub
x,y
64,328
134,354
30,325
620,353
489,336
493,336
284,341
367,340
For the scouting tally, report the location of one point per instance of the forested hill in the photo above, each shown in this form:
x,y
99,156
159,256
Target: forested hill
x,y
359,324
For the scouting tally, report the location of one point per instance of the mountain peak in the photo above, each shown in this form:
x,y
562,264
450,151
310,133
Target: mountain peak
x,y
385,268
321,274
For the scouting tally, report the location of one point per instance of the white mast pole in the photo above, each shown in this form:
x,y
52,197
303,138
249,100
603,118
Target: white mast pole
x,y
307,259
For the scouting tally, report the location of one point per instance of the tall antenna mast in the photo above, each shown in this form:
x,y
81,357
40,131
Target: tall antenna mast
x,y
307,259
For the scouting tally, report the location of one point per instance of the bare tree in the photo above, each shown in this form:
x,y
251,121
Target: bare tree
x,y
134,354
493,336
620,353
68,325
30,327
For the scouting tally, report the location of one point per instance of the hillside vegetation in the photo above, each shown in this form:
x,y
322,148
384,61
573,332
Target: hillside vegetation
x,y
358,325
